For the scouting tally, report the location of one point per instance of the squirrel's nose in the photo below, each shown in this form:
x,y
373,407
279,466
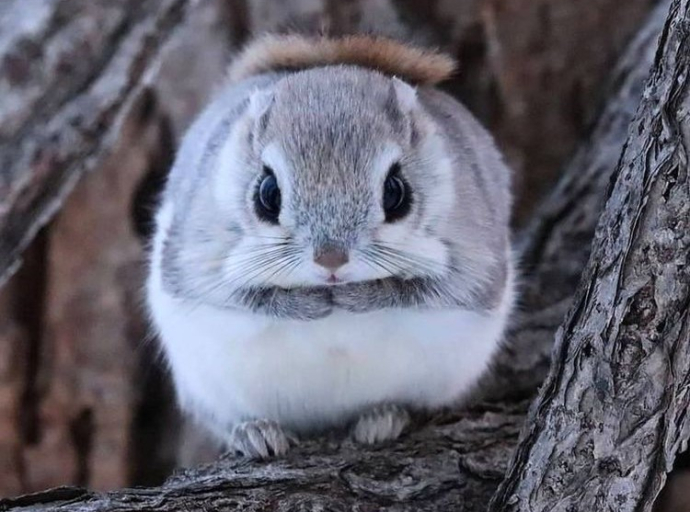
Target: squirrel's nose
x,y
331,258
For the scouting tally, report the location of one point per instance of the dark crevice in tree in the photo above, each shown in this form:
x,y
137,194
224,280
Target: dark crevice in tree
x,y
146,197
236,16
31,292
82,431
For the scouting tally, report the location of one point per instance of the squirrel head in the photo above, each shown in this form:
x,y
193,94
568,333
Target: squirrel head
x,y
334,175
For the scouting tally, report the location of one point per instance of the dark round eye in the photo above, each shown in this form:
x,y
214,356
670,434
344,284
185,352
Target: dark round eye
x,y
267,198
397,198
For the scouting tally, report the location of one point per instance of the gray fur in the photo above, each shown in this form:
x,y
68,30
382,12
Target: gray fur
x,y
331,123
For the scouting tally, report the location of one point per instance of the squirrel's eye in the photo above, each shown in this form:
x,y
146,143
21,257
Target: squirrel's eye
x,y
397,198
267,198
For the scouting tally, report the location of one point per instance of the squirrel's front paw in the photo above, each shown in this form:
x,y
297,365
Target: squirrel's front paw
x,y
311,304
382,423
294,303
355,297
260,439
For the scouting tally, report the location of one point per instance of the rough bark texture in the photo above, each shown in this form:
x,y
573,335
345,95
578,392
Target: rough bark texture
x,y
612,414
77,401
82,400
453,465
68,69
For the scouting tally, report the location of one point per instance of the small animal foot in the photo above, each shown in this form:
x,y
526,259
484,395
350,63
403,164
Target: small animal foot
x,y
260,439
382,423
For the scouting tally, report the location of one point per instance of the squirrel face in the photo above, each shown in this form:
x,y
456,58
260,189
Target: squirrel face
x,y
340,179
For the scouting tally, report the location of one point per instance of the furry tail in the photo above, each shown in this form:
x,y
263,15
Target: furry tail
x,y
295,52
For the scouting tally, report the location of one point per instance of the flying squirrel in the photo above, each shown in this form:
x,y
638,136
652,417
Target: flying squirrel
x,y
332,246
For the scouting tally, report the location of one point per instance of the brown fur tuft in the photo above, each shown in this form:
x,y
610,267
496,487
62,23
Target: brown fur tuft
x,y
294,52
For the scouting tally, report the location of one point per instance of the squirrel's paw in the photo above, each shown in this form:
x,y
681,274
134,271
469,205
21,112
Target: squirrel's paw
x,y
382,423
311,304
356,297
300,304
260,439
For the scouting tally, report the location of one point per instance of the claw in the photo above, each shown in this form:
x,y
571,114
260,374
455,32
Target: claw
x,y
382,423
260,439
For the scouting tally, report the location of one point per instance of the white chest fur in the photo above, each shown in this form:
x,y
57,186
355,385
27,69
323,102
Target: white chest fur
x,y
230,366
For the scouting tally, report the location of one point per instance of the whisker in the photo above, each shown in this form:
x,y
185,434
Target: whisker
x,y
281,268
375,259
267,237
414,262
393,259
372,263
421,259
251,255
248,270
259,265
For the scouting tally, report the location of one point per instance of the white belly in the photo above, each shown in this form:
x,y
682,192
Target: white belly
x,y
236,365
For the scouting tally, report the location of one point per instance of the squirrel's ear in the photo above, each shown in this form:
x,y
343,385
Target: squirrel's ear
x,y
400,107
405,94
260,103
259,109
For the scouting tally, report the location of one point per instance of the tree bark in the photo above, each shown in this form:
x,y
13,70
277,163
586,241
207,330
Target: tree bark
x,y
69,69
88,388
612,414
456,461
